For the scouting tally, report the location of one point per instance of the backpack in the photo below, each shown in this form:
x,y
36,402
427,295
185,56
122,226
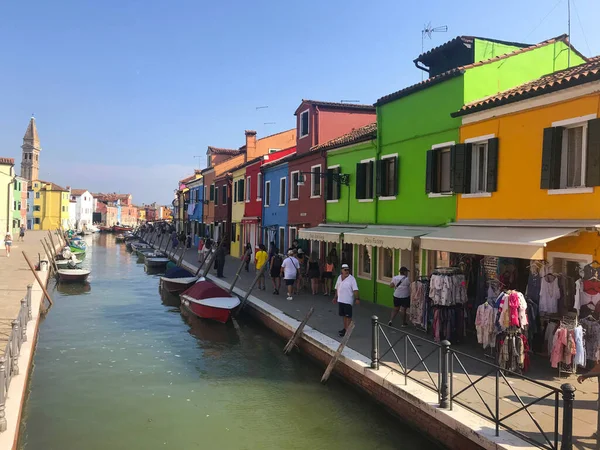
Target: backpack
x,y
277,261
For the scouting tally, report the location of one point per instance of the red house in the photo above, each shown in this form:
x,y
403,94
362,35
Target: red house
x,y
253,207
223,208
317,122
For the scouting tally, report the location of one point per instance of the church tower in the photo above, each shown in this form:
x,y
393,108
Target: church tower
x,y
30,163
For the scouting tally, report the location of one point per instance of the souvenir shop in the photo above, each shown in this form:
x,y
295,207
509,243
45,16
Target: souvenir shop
x,y
511,306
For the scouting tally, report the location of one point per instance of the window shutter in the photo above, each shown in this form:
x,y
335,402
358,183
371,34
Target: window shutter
x,y
378,183
361,186
371,173
329,184
431,172
241,190
338,171
394,171
235,191
492,165
551,150
461,168
592,170
212,192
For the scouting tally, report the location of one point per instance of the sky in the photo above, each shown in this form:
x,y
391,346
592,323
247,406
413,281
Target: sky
x,y
127,93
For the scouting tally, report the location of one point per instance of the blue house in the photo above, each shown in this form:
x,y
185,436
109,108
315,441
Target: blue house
x,y
196,209
275,203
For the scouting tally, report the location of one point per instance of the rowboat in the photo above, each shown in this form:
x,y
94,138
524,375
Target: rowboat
x,y
72,263
177,280
73,275
76,250
121,228
155,262
209,301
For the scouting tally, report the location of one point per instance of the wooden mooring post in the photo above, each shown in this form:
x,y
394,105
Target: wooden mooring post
x,y
239,271
337,354
38,279
292,342
251,288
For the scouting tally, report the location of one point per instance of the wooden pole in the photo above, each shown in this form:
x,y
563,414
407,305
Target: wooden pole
x,y
292,342
258,275
161,240
52,254
337,354
212,260
182,254
38,279
239,271
50,257
51,240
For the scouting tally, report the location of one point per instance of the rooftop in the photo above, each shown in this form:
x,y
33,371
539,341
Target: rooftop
x,y
4,160
224,151
573,76
78,192
53,186
357,135
334,105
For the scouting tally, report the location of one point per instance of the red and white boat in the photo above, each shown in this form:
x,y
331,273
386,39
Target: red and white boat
x,y
209,301
121,228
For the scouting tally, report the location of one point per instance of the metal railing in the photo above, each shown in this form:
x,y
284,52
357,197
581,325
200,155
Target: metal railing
x,y
446,372
9,362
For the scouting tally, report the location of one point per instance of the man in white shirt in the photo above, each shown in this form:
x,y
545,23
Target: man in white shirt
x,y
346,293
289,271
401,285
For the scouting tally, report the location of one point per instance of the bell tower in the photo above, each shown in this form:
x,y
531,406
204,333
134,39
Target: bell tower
x,y
30,163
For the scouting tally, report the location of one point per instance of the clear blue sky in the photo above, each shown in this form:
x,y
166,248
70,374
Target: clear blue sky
x,y
127,92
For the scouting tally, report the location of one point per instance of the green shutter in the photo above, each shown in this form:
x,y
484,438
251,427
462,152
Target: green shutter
x,y
592,174
240,190
329,184
338,171
212,192
394,170
461,168
431,172
371,172
492,165
361,186
551,150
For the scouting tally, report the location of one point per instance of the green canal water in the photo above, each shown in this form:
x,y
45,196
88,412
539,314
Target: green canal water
x,y
117,366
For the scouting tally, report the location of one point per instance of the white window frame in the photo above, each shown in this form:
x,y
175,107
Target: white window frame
x,y
312,181
386,197
282,192
368,200
259,178
247,189
307,112
443,146
360,273
563,151
380,253
474,160
292,198
267,197
336,166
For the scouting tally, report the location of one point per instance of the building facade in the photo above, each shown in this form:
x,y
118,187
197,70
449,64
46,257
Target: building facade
x,y
84,208
50,206
275,203
19,203
7,175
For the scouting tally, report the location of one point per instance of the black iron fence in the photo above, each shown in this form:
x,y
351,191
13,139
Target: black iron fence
x,y
455,375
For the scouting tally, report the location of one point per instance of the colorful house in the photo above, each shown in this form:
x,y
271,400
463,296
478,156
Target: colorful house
x,y
84,208
240,195
50,206
316,122
222,219
19,203
7,174
195,207
275,203
541,198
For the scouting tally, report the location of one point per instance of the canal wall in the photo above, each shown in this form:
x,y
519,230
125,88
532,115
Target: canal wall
x,y
458,429
16,276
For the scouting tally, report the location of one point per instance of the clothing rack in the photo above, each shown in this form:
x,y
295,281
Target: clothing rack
x,y
570,323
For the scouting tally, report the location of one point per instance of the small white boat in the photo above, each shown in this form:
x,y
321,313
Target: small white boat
x,y
156,262
73,274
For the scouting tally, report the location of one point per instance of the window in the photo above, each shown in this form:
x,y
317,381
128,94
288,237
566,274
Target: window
x,y
293,234
216,195
387,180
364,179
208,160
315,181
573,157
16,185
36,220
294,187
268,193
273,150
439,167
259,178
212,192
240,190
332,184
233,232
315,247
235,191
36,208
303,124
14,205
37,195
282,240
248,189
282,191
224,194
385,267
364,261
479,161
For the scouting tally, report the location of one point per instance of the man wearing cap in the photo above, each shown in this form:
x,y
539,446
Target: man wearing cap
x,y
401,285
346,293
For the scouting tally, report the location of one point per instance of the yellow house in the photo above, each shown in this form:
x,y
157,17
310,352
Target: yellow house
x,y
532,178
141,213
50,206
238,205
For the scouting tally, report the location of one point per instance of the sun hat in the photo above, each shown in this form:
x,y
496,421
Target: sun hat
x,y
345,266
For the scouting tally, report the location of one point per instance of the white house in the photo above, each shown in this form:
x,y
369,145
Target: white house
x,y
84,208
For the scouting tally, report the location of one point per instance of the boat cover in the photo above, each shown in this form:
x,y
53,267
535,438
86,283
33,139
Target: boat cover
x,y
205,289
178,272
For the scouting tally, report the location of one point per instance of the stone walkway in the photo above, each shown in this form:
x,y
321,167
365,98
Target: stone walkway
x,y
15,275
325,320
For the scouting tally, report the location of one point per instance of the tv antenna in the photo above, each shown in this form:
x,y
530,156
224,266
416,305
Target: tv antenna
x,y
199,160
426,32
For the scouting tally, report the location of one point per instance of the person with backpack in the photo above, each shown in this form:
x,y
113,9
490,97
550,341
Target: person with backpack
x,y
289,270
401,285
275,264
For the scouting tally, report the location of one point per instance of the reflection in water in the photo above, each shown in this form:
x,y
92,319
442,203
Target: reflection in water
x,y
73,288
169,299
122,369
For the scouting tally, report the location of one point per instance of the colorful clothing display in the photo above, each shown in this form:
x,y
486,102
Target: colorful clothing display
x,y
484,323
418,303
549,294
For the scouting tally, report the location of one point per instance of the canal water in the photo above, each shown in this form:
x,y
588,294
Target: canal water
x,y
118,367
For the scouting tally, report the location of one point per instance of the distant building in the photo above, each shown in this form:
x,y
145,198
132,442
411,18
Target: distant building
x,y
50,206
30,162
7,174
84,208
125,213
19,203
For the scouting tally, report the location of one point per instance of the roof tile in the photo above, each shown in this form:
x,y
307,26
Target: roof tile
x,y
357,135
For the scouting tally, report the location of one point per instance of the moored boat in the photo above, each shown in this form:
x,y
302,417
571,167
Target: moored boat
x,y
155,262
121,228
209,301
177,280
73,275
72,263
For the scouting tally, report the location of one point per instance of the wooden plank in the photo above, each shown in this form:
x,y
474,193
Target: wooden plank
x,y
337,353
292,342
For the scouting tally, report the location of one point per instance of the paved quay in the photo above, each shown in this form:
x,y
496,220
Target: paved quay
x,y
326,321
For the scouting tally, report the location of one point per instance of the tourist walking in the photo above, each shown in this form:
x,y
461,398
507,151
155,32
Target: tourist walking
x,y
302,264
7,243
200,248
314,272
346,294
401,285
328,276
259,261
289,270
247,255
220,261
22,233
275,264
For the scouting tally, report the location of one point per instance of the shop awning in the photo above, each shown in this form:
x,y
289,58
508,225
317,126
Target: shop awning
x,y
324,233
509,242
389,237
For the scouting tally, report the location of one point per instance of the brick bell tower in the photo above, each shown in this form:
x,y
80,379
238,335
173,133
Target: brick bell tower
x,y
30,161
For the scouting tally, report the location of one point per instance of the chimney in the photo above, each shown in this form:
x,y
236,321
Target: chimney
x,y
250,145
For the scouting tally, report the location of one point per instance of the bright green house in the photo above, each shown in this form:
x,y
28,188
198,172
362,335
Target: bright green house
x,y
403,173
